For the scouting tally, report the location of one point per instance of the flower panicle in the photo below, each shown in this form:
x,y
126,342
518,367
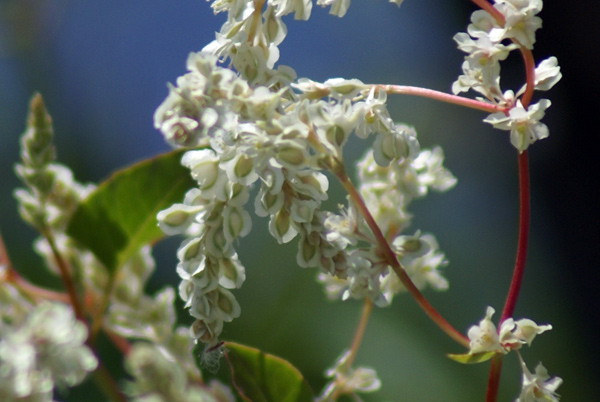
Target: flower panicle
x,y
488,41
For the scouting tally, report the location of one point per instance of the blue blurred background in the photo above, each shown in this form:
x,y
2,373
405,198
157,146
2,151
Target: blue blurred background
x,y
102,68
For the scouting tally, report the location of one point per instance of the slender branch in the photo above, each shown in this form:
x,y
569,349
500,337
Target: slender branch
x,y
65,275
99,313
494,378
441,96
358,336
529,75
519,269
391,259
118,341
4,260
34,292
360,330
524,206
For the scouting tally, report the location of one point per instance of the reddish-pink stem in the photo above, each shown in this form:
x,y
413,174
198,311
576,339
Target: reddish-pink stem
x,y
524,202
494,379
529,76
519,269
65,275
442,97
391,259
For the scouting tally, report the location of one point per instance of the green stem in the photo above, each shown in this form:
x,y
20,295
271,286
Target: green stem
x,y
391,259
99,313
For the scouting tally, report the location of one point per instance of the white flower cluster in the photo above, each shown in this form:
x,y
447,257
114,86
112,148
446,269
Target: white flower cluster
x,y
346,380
51,196
257,128
45,349
485,48
159,378
135,315
387,192
538,387
512,335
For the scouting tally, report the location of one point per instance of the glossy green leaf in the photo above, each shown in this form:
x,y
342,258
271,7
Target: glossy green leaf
x,y
261,377
472,358
119,217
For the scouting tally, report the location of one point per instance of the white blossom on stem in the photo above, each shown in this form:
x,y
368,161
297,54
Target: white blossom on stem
x,y
484,337
538,386
524,125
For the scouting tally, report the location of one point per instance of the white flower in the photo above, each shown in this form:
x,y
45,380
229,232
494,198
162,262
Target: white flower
x,y
232,272
376,117
525,330
483,337
177,218
547,74
301,8
538,387
312,89
520,21
431,172
236,223
512,335
48,349
346,380
345,88
483,48
338,7
341,230
398,144
524,125
205,169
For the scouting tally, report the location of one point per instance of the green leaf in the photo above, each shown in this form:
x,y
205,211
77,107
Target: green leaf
x,y
472,358
261,377
119,217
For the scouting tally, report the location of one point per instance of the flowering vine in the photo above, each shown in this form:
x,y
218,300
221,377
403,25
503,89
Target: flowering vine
x,y
255,137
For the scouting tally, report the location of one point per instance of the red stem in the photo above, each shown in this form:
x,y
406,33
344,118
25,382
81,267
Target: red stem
x,y
524,206
391,259
494,379
519,269
529,76
524,199
65,275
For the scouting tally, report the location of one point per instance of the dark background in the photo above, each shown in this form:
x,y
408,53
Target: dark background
x,y
102,69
